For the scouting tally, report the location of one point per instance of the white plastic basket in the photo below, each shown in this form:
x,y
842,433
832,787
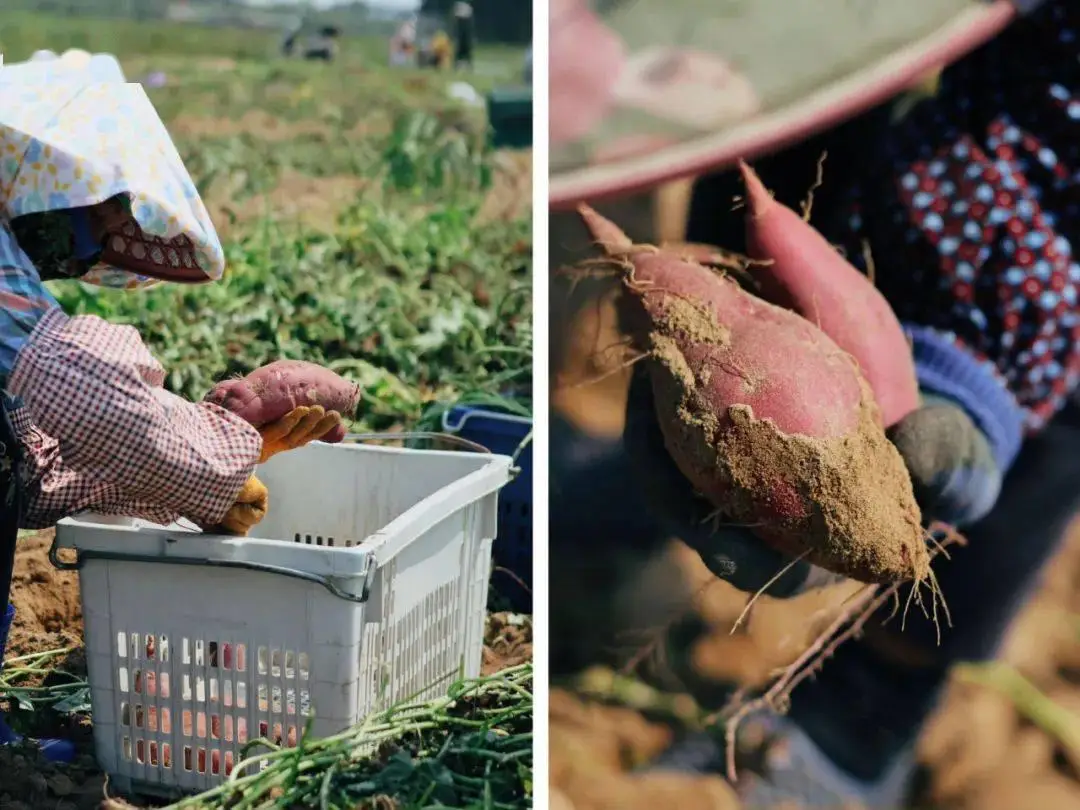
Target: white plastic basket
x,y
365,585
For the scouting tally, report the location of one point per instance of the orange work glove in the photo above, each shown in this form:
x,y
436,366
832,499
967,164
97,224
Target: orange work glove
x,y
306,423
249,509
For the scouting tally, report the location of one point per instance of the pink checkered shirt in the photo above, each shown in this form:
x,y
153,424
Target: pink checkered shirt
x,y
100,432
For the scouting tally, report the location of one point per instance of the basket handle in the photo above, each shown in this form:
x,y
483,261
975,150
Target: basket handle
x,y
494,416
476,447
82,556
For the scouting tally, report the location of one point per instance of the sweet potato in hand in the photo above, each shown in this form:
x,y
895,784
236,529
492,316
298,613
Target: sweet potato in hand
x,y
277,389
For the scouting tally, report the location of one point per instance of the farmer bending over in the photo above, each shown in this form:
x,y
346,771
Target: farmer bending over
x,y
85,423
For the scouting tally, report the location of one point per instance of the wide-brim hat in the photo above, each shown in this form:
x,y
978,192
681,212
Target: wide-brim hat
x,y
645,91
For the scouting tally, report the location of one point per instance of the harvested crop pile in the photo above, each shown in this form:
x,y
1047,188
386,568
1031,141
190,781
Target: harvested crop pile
x,y
767,417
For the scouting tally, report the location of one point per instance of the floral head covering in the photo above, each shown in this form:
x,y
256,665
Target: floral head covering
x,y
75,136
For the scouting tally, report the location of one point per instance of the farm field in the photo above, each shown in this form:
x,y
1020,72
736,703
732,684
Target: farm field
x,y
368,227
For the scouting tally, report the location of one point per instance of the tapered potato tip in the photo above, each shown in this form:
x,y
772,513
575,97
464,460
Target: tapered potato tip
x,y
759,201
604,232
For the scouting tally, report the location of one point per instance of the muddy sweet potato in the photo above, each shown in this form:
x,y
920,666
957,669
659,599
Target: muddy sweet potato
x,y
270,392
801,271
768,418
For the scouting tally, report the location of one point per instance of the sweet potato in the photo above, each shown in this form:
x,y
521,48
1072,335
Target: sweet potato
x,y
804,273
768,418
270,392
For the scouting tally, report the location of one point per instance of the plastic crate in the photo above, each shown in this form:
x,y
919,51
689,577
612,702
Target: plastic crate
x,y
503,433
366,585
510,117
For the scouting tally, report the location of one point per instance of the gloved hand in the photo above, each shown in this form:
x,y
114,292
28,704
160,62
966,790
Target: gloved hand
x,y
952,467
953,472
301,425
249,509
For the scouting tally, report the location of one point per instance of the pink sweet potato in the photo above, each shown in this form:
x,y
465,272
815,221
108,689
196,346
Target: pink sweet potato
x,y
768,418
270,392
806,274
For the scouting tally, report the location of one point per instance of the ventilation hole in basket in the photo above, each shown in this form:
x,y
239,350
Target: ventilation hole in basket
x,y
150,648
262,697
290,664
153,753
305,702
200,689
260,661
134,646
226,692
241,658
200,725
125,714
213,647
201,757
140,751
275,700
290,740
138,682
185,651
185,688
166,721
163,649
151,719
241,730
305,666
138,716
277,739
275,663
166,755
185,722
215,762
215,727
125,748
164,684
151,683
290,701
228,763
187,758
228,728
263,729
200,654
121,644
214,696
241,695
226,656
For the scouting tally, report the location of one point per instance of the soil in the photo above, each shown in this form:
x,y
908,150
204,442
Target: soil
x,y
49,617
981,752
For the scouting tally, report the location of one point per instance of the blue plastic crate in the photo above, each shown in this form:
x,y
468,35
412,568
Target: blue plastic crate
x,y
503,433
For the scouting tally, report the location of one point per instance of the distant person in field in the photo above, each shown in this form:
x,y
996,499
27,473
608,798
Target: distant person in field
x,y
323,46
464,34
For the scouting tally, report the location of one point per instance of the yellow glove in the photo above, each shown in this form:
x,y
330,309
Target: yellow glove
x,y
306,423
249,509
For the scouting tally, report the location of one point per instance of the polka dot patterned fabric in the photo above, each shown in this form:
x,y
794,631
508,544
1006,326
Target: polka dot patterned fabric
x,y
975,221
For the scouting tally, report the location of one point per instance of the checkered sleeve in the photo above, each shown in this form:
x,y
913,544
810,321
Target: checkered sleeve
x,y
104,434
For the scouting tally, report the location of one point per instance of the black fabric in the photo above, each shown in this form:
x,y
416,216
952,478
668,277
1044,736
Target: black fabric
x,y
11,499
